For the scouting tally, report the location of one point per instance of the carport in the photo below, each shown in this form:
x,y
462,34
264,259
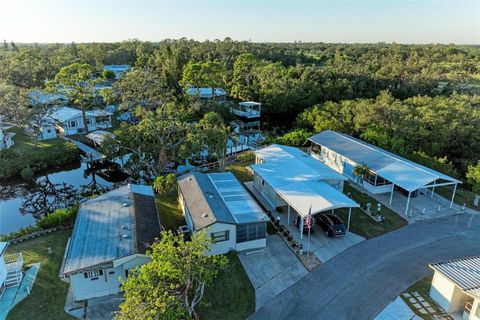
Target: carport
x,y
387,170
312,197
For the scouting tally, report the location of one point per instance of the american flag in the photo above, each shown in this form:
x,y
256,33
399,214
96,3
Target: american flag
x,y
308,220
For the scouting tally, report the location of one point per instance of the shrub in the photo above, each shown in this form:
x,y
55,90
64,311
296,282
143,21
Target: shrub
x,y
60,217
246,156
165,185
27,173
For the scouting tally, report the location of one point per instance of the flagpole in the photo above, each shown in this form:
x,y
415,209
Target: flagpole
x,y
308,242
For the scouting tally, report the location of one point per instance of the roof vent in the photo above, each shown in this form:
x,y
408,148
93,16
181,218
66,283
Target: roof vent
x,y
125,236
205,215
125,204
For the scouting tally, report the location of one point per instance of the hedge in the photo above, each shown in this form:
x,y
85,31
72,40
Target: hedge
x,y
13,162
60,217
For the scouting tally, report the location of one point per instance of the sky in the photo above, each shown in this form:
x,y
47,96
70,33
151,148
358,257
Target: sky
x,y
258,21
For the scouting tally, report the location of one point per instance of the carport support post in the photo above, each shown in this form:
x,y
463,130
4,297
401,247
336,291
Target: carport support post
x,y
288,216
453,195
408,202
349,217
433,189
391,194
301,228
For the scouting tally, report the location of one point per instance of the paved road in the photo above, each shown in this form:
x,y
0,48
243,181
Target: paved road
x,y
361,281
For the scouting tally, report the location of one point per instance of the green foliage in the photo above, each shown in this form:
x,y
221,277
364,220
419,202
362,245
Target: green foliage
x,y
361,172
247,156
437,126
60,217
172,285
210,134
210,74
473,176
295,138
108,74
27,173
166,184
15,162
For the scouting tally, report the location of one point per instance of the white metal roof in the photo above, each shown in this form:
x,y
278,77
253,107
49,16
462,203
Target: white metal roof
x,y
205,92
287,164
106,228
99,136
317,194
239,202
300,179
463,272
66,113
250,103
405,173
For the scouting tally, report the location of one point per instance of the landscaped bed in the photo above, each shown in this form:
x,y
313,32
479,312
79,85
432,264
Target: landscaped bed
x,y
49,292
364,225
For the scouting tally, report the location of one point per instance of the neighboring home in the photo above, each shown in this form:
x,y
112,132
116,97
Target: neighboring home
x,y
456,287
219,204
48,129
387,170
117,69
6,139
70,121
111,235
99,136
40,97
206,93
248,116
10,269
288,177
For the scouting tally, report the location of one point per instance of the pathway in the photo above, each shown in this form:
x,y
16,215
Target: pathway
x,y
359,282
91,153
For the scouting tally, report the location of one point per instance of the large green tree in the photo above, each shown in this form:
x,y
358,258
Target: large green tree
x,y
210,74
172,285
77,82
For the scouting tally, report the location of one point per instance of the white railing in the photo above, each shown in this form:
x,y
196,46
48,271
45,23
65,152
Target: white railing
x,y
14,264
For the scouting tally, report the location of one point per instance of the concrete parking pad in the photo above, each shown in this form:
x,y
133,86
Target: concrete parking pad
x,y
271,270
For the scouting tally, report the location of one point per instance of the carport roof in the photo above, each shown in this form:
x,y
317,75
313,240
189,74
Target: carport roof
x,y
464,272
402,172
317,195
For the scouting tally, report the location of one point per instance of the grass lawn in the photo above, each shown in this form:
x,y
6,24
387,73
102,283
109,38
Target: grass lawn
x,y
230,296
24,144
461,196
362,224
239,170
49,292
170,212
422,286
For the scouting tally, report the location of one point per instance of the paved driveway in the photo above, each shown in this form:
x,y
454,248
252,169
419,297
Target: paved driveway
x,y
272,270
362,280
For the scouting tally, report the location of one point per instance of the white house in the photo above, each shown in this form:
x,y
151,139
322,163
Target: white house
x,y
70,121
288,177
111,235
219,204
6,139
456,287
207,93
387,170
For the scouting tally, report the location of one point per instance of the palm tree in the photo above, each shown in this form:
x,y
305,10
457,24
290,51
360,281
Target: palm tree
x,y
361,171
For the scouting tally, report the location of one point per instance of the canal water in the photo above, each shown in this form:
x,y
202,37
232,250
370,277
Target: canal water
x,y
17,195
